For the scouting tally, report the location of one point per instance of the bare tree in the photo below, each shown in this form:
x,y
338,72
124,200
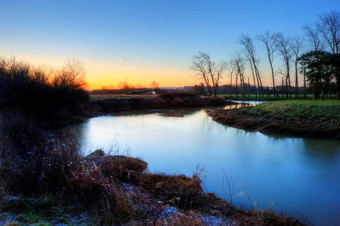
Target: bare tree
x,y
72,75
218,71
208,70
314,37
268,40
249,47
283,46
239,68
199,65
296,44
230,67
329,27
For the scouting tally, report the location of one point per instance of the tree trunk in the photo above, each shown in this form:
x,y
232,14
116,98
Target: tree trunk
x,y
296,80
304,83
252,72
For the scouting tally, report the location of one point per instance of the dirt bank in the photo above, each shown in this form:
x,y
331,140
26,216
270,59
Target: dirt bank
x,y
164,101
164,199
253,122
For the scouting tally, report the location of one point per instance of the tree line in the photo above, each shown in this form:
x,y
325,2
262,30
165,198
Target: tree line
x,y
43,91
318,62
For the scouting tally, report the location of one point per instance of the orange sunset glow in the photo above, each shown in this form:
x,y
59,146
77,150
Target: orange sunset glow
x,y
101,76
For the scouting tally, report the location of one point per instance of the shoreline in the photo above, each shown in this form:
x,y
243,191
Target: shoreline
x,y
125,192
164,101
271,126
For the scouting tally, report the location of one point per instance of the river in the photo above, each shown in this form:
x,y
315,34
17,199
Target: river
x,y
297,175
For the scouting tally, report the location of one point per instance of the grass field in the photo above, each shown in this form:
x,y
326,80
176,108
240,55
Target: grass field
x,y
265,97
95,97
307,110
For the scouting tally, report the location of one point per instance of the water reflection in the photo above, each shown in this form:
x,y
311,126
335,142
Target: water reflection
x,y
302,175
178,112
240,104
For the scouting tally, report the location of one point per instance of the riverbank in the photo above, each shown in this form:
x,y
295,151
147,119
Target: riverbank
x,y
315,119
117,189
162,101
107,104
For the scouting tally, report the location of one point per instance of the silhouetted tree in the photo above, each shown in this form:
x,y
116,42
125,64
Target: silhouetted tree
x,y
199,89
230,66
296,44
238,63
71,76
314,37
268,40
283,46
319,66
250,53
40,90
208,70
329,27
217,75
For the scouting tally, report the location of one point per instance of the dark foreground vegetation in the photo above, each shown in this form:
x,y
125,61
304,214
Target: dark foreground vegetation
x,y
303,118
45,180
52,96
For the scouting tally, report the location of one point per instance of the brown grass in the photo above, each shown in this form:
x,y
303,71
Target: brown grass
x,y
33,161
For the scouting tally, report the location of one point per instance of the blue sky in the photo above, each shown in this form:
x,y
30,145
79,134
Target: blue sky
x,y
141,41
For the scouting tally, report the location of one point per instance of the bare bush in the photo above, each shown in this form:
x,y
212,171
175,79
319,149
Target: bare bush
x,y
42,91
31,160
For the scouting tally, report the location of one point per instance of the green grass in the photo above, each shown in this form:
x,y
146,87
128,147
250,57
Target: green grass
x,y
265,97
308,110
94,97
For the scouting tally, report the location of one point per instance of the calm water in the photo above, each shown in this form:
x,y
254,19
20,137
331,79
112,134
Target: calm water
x,y
300,176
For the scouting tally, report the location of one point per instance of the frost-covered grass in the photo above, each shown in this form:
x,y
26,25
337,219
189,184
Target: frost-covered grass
x,y
20,210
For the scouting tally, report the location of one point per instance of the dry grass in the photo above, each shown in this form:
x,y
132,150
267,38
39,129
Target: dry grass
x,y
98,186
33,161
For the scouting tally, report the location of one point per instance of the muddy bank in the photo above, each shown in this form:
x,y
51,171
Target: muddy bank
x,y
253,122
164,101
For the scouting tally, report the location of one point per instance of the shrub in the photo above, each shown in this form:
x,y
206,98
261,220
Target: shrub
x,y
42,91
31,160
97,187
182,191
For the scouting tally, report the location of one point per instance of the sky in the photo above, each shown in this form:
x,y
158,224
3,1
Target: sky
x,y
140,41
